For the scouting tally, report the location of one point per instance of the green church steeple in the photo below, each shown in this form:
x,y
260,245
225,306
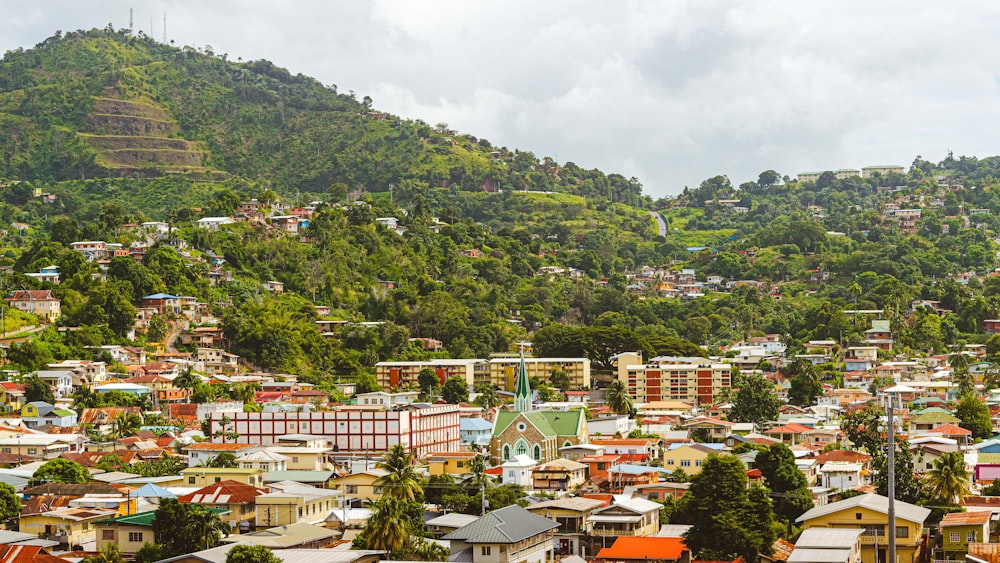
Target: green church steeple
x,y
522,389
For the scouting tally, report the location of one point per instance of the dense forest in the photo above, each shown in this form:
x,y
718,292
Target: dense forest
x,y
101,131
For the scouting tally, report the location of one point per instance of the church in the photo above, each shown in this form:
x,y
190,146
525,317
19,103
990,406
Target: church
x,y
537,434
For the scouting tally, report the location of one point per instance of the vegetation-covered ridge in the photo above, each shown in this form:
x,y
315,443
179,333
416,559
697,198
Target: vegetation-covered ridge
x,y
256,121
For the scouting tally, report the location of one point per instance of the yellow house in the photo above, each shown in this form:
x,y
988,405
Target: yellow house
x,y
202,476
72,527
870,513
359,486
12,395
572,514
452,463
129,532
687,457
302,458
290,503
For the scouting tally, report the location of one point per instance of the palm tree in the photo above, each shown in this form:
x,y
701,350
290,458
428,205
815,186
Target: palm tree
x,y
488,396
401,482
959,363
948,481
246,393
387,528
209,526
187,379
617,397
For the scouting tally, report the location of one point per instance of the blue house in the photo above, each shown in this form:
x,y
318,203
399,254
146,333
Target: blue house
x,y
475,431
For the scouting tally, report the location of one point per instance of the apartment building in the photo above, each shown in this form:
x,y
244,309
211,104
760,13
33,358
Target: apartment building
x,y
503,370
672,377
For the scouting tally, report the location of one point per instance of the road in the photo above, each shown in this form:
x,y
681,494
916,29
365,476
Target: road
x,y
661,225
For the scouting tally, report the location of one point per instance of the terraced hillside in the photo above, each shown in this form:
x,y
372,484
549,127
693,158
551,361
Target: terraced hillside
x,y
133,138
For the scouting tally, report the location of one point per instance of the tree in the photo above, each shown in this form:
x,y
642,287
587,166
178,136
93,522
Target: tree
x,y
184,527
782,476
756,401
59,470
429,383
37,390
805,384
388,527
975,416
223,460
10,504
726,520
487,396
246,553
948,481
108,554
455,390
157,329
617,397
959,363
401,481
560,380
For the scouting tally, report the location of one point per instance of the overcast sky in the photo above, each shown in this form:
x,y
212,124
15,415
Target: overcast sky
x,y
670,92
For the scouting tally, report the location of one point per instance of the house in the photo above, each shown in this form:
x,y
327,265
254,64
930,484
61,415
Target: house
x,y
558,475
360,486
48,274
790,434
688,457
572,515
214,223
662,490
38,413
475,431
517,471
290,503
129,532
701,426
828,545
304,538
598,466
452,463
869,512
266,460
632,517
841,475
71,527
201,453
202,476
510,534
959,529
632,450
645,550
38,302
448,523
629,475
235,502
163,302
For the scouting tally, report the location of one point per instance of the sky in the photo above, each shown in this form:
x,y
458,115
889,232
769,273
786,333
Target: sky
x,y
671,92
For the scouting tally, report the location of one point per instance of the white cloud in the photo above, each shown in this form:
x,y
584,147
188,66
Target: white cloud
x,y
670,92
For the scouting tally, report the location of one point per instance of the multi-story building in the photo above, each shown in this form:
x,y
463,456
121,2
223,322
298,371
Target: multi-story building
x,y
399,374
421,429
503,370
672,377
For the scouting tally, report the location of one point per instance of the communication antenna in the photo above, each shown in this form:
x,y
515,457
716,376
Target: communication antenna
x,y
164,26
130,21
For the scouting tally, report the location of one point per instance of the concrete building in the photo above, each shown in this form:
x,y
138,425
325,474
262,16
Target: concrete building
x,y
672,377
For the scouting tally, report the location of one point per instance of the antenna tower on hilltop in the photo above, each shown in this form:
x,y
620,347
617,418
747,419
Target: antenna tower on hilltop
x,y
130,21
164,27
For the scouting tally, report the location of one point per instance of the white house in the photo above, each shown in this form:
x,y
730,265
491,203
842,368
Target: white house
x,y
517,471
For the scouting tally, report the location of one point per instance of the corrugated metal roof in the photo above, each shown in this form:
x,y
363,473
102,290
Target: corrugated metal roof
x,y
877,503
507,525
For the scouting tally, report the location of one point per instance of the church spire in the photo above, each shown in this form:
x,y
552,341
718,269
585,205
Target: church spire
x,y
522,389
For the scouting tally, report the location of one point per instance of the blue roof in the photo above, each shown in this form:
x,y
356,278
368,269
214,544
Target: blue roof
x,y
151,490
160,296
474,424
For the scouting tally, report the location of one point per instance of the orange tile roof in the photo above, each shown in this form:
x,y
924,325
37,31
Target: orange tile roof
x,y
224,492
966,518
643,548
789,428
950,430
843,455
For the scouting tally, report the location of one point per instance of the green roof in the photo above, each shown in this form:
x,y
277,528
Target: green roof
x,y
934,418
63,412
549,423
146,518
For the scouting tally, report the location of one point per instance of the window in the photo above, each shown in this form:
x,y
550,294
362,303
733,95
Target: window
x,y
217,479
6,450
685,463
670,462
902,532
486,550
537,453
107,534
295,459
954,537
351,489
461,464
969,536
857,516
601,466
506,452
873,530
135,537
191,480
521,448
32,451
697,463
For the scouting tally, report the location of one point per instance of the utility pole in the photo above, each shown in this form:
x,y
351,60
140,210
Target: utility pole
x,y
892,483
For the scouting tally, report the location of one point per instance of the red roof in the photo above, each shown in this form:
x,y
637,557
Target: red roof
x,y
789,429
642,548
842,455
224,492
625,442
32,295
950,430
